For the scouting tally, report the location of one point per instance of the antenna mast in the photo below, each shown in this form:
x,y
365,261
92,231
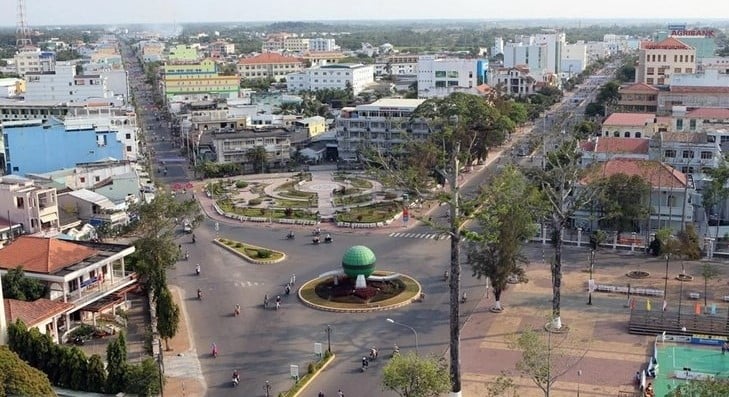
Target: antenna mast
x,y
22,31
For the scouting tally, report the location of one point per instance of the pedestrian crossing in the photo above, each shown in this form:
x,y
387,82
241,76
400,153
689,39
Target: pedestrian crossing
x,y
247,284
426,236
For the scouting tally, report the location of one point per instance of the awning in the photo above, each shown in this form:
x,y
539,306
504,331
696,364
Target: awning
x,y
49,218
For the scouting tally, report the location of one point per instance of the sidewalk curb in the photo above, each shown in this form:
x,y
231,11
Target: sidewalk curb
x,y
313,377
248,258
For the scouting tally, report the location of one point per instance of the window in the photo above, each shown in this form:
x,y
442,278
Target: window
x,y
707,155
97,178
651,70
82,179
129,148
669,153
20,202
129,136
440,74
676,70
688,154
638,134
679,124
616,134
692,124
626,134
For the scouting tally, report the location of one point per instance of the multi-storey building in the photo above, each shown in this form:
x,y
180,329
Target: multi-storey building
x,y
27,203
32,146
198,80
338,76
574,59
269,65
275,41
692,97
515,81
64,85
533,56
658,61
322,58
235,147
151,51
296,44
221,49
638,98
396,65
439,77
320,44
380,125
33,60
183,53
690,152
703,40
630,125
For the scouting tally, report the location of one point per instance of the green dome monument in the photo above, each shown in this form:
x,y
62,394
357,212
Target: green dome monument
x,y
358,261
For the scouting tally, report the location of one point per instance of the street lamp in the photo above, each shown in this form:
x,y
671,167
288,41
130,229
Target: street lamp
x,y
579,374
329,338
389,320
267,388
665,283
591,283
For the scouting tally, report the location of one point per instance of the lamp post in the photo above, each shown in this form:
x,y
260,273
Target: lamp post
x,y
579,374
389,320
267,388
665,283
591,283
329,338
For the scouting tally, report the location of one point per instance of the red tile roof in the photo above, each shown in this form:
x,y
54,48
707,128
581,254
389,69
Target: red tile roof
x,y
42,255
621,145
639,87
269,58
658,174
629,119
670,43
686,137
33,313
708,113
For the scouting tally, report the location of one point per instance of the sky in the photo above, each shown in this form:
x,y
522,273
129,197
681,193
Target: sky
x,y
119,12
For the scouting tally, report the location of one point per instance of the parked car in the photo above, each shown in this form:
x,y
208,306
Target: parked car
x,y
186,226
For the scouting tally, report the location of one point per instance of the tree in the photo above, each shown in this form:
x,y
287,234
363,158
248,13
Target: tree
x,y
258,157
143,379
507,220
701,388
168,316
545,361
17,286
17,378
622,201
96,376
563,190
502,386
716,192
708,272
410,375
116,359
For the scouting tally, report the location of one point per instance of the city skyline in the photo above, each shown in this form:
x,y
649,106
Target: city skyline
x,y
87,12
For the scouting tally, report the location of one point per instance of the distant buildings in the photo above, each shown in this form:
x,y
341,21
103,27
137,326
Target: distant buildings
x,y
198,81
657,62
65,85
269,66
33,60
439,77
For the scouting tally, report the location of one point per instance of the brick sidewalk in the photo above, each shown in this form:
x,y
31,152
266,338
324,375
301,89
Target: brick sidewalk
x,y
181,348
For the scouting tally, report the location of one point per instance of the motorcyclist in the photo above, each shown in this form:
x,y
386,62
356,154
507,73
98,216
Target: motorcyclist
x,y
317,231
328,237
187,255
365,362
236,376
316,240
193,237
199,293
215,350
291,234
265,301
236,310
278,302
373,353
287,290
395,350
197,269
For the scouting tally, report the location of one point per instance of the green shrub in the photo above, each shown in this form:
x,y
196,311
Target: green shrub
x,y
390,196
255,201
311,368
241,184
264,254
238,245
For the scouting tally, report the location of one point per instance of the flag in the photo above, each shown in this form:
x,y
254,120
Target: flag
x,y
648,304
665,305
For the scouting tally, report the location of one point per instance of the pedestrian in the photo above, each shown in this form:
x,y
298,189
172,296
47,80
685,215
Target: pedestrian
x,y
321,394
340,393
292,280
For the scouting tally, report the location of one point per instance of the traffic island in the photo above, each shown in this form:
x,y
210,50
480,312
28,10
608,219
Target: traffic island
x,y
358,287
251,253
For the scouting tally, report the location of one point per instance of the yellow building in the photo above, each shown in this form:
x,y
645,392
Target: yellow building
x,y
199,80
312,125
268,66
315,58
183,53
658,61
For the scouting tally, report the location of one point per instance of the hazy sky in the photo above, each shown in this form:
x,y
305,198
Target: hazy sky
x,y
71,12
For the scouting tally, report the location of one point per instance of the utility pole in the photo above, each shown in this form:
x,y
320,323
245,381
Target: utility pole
x,y
455,279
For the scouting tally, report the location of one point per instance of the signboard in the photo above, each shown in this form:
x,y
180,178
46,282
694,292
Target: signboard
x,y
294,369
405,215
693,32
318,349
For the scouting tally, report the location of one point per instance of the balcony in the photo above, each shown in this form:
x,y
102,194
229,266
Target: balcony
x,y
92,293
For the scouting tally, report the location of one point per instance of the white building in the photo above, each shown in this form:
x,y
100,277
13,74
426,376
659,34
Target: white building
x,y
533,56
381,124
396,65
574,59
10,87
63,85
25,202
116,78
322,45
337,76
708,78
554,42
439,77
498,47
516,81
33,60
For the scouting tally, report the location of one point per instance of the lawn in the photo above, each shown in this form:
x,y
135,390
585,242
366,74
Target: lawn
x,y
359,183
378,212
352,200
252,251
277,213
298,194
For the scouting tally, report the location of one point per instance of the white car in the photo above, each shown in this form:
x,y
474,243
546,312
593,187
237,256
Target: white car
x,y
186,226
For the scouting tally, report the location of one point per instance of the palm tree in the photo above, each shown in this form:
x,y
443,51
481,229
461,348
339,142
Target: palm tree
x,y
258,157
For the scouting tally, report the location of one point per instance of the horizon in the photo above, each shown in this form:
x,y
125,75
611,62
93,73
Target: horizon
x,y
50,13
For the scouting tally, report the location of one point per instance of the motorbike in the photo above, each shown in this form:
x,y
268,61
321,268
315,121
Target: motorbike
x,y
464,297
328,239
193,239
215,352
365,364
199,295
236,311
316,232
197,270
187,255
316,241
445,275
373,354
236,381
395,351
290,236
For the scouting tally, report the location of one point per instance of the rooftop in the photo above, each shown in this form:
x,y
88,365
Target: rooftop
x,y
658,174
708,113
685,137
32,313
639,87
629,119
670,43
43,255
269,57
618,145
394,103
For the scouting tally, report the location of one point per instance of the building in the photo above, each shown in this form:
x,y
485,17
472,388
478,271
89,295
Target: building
x,y
312,126
87,278
701,39
381,125
531,55
11,87
151,51
274,42
15,110
198,81
498,47
269,65
295,44
93,208
221,49
574,59
396,65
64,85
314,58
336,77
658,61
439,77
183,53
32,146
322,45
117,79
515,81
33,60
33,206
692,97
689,152
235,147
638,98
630,125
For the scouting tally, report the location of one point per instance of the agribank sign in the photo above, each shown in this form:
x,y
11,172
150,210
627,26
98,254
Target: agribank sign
x,y
680,30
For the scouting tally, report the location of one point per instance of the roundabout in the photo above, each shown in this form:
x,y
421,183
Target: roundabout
x,y
358,287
